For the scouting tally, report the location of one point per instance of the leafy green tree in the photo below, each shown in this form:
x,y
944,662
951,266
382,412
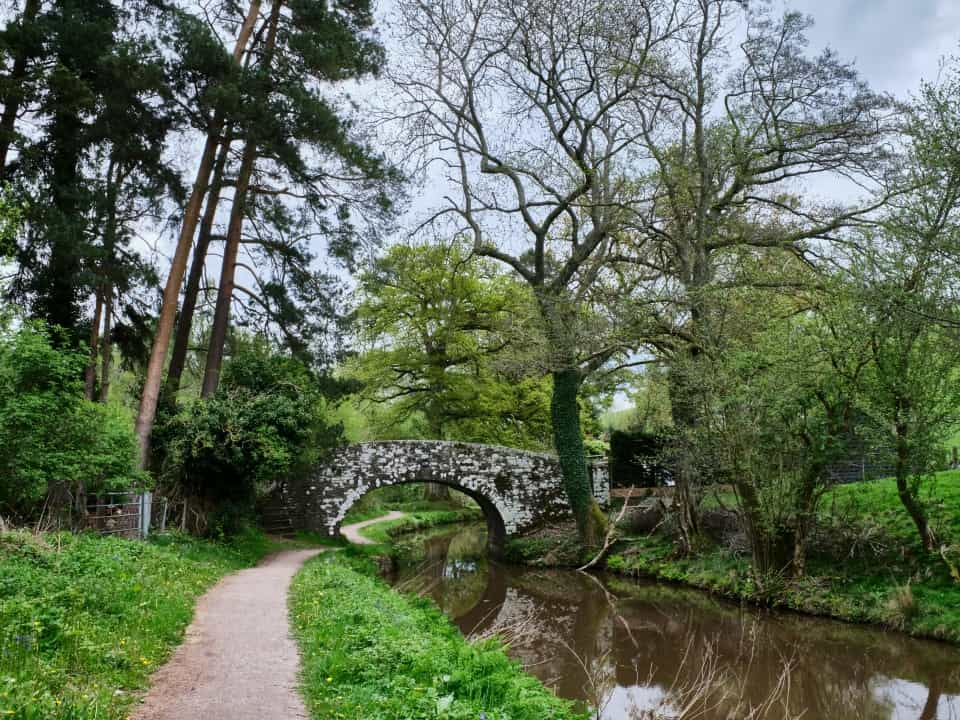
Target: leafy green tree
x,y
728,162
52,440
93,167
217,99
777,411
295,143
21,44
905,284
440,328
539,174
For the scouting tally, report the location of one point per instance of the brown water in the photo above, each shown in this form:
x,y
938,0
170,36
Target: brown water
x,y
629,648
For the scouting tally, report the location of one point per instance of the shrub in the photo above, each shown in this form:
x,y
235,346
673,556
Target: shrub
x,y
268,421
49,433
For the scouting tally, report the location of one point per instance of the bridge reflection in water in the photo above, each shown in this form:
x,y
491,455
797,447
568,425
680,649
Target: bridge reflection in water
x,y
629,647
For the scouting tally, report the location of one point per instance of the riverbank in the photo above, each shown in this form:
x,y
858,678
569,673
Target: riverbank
x,y
85,620
368,651
866,564
382,533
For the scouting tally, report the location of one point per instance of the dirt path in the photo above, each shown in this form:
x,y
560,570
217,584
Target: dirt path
x,y
238,661
352,532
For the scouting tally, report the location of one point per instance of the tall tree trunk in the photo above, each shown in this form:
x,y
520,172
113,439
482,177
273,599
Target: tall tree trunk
x,y
181,341
168,309
106,345
109,243
221,314
13,98
90,378
568,439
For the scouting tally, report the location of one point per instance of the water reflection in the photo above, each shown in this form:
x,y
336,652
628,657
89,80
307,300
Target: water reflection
x,y
627,648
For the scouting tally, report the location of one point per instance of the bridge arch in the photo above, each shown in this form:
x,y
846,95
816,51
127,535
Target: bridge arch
x,y
517,490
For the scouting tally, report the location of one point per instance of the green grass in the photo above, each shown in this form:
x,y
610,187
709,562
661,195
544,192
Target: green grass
x,y
369,652
383,533
878,502
84,619
865,585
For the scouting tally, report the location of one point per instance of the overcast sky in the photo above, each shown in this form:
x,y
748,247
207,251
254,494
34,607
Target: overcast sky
x,y
895,43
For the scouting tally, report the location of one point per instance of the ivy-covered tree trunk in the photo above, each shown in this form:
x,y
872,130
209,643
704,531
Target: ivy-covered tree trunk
x,y
568,439
683,405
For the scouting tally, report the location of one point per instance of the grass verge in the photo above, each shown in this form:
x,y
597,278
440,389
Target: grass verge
x,y
84,619
868,565
369,652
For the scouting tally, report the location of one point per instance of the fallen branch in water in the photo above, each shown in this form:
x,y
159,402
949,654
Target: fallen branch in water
x,y
612,536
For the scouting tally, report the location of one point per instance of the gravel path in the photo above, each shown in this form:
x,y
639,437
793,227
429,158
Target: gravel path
x,y
352,532
238,661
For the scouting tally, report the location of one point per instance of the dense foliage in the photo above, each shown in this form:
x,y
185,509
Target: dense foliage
x,y
51,437
447,342
267,422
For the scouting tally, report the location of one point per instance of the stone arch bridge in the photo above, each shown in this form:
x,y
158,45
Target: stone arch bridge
x,y
517,490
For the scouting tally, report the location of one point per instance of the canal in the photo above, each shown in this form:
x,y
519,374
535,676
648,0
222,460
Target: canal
x,y
631,649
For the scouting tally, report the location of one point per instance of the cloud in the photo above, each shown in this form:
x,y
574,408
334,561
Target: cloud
x,y
894,43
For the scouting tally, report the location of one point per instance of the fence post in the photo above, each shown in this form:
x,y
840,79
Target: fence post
x,y
145,510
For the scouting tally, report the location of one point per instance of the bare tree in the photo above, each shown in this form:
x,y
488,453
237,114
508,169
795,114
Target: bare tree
x,y
529,106
739,133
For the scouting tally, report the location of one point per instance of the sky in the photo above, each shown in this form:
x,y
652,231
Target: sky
x,y
894,43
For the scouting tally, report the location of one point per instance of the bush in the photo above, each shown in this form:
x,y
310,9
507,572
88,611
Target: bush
x,y
49,433
268,421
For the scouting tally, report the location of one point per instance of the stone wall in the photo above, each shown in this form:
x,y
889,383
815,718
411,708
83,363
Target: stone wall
x,y
517,490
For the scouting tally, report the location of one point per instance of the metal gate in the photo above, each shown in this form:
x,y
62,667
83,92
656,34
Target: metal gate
x,y
125,514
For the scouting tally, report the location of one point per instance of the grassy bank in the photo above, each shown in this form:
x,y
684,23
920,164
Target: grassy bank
x,y
866,565
417,521
84,620
369,652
